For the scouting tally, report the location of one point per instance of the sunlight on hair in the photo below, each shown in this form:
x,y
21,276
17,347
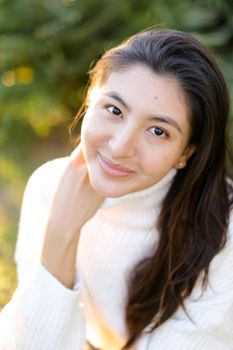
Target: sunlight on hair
x,y
94,94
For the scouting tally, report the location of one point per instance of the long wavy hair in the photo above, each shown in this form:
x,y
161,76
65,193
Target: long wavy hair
x,y
194,216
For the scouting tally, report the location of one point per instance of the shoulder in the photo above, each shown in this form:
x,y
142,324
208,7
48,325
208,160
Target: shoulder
x,y
221,267
45,179
51,169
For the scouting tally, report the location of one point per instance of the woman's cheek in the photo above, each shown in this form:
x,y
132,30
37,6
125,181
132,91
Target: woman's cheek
x,y
91,135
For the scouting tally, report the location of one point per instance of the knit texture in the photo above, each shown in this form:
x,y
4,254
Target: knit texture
x,y
43,314
122,233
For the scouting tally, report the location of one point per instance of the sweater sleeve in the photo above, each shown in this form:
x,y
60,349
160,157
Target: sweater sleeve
x,y
42,314
36,206
208,324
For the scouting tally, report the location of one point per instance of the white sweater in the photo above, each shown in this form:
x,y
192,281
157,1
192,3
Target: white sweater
x,y
44,315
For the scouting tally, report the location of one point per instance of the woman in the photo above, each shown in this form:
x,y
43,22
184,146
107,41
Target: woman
x,y
128,242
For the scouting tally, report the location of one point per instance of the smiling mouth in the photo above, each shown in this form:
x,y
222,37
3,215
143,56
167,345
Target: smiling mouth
x,y
113,169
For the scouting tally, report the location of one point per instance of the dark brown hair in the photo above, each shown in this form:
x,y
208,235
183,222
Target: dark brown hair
x,y
195,213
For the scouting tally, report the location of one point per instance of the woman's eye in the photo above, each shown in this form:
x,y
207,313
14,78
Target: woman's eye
x,y
158,131
114,110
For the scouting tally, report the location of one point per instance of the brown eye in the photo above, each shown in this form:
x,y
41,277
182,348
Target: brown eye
x,y
158,131
114,110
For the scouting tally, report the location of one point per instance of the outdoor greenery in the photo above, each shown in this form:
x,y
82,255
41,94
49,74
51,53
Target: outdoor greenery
x,y
46,48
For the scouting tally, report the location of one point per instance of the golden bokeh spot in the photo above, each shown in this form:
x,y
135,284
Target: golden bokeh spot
x,y
24,75
8,78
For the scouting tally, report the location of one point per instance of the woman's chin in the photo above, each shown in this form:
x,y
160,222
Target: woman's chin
x,y
104,192
107,190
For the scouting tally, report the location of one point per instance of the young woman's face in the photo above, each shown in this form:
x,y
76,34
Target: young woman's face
x,y
135,130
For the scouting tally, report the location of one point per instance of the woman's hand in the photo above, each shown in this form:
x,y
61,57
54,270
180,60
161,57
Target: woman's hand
x,y
74,203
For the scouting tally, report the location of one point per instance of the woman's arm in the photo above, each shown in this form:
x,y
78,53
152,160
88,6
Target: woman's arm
x,y
44,312
74,203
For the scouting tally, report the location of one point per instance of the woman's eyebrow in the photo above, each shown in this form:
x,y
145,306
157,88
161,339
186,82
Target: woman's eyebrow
x,y
158,117
116,97
165,119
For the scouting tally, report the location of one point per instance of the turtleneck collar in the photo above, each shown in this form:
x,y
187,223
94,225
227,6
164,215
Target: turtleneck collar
x,y
137,209
160,188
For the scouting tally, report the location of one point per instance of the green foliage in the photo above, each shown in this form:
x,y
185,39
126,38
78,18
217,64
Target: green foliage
x,y
46,48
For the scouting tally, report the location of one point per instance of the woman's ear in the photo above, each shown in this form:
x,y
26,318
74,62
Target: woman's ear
x,y
182,161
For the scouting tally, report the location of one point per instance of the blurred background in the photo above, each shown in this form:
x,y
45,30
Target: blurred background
x,y
46,48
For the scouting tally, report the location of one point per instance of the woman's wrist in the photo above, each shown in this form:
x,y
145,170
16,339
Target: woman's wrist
x,y
60,260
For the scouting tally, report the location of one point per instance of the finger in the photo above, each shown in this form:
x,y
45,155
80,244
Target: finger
x,y
77,156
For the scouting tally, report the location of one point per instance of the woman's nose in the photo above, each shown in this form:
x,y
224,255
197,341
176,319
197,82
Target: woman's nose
x,y
123,143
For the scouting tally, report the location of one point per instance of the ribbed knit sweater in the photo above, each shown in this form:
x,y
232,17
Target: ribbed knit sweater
x,y
45,315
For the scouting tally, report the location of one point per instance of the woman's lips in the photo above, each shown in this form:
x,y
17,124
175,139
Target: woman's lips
x,y
113,169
